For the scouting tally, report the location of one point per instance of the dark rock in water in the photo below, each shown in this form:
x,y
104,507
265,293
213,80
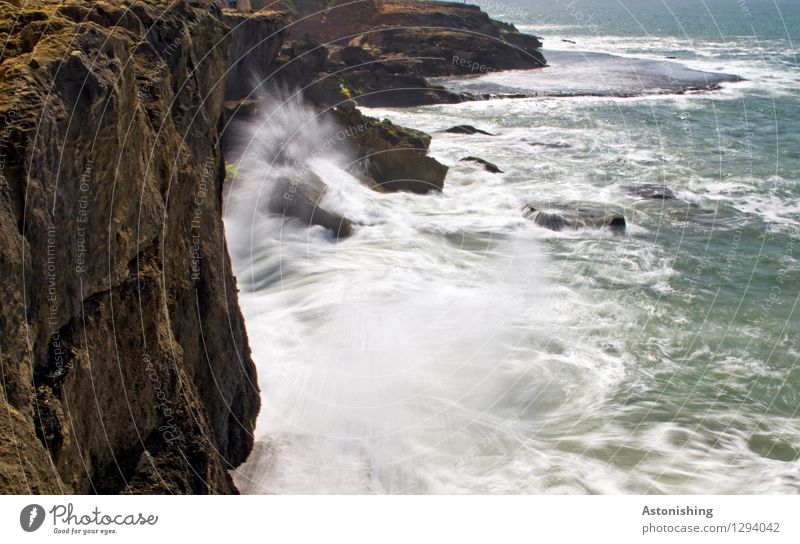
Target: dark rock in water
x,y
651,191
300,196
403,169
256,39
575,218
488,166
556,145
467,129
394,157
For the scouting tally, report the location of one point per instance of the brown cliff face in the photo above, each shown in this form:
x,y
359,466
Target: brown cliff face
x,y
256,40
124,355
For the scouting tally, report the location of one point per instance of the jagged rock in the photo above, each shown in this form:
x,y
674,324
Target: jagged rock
x,y
651,191
377,86
467,129
403,169
126,366
300,197
25,467
561,218
395,157
488,166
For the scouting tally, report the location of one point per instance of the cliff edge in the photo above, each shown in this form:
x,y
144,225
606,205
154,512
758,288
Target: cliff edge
x,y
125,362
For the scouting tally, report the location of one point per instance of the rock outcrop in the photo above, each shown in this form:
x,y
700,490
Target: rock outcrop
x,y
300,197
395,157
125,359
380,52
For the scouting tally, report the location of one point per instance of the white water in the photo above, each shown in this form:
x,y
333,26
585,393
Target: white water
x,y
452,346
435,328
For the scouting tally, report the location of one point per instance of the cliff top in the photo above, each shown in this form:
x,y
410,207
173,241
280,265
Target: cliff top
x,y
324,21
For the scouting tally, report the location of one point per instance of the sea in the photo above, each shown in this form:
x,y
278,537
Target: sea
x,y
452,345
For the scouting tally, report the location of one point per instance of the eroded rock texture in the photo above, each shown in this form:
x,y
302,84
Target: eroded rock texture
x,y
125,362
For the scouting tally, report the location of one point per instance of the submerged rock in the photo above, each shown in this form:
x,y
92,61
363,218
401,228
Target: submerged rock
x,y
651,191
467,129
554,145
488,166
561,218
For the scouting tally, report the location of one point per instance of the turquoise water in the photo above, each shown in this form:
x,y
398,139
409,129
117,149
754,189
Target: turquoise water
x,y
453,346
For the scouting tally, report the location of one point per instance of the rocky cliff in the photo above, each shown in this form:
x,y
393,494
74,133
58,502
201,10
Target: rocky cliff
x,y
125,362
256,40
380,52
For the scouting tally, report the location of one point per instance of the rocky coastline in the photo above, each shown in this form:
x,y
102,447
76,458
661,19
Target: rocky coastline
x,y
126,364
368,53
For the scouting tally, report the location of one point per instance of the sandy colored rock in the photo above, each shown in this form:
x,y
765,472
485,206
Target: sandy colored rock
x,y
126,363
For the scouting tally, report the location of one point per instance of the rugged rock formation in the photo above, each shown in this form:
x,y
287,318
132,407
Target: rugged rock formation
x,y
125,360
379,52
562,217
394,157
330,75
300,198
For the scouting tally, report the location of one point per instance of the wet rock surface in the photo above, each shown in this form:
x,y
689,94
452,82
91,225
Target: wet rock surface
x,y
301,198
468,130
395,157
567,218
650,191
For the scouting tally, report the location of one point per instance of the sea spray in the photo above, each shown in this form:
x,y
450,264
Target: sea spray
x,y
412,356
288,152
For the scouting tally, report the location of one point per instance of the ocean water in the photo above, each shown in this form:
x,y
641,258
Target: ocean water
x,y
452,346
